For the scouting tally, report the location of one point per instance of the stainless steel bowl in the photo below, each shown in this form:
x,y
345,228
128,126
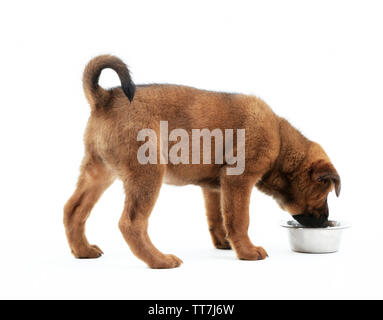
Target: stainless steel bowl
x,y
315,240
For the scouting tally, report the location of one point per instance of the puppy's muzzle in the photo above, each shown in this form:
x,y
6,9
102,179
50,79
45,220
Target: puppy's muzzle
x,y
309,219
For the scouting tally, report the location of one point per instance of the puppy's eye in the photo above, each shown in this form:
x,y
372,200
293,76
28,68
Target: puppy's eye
x,y
324,181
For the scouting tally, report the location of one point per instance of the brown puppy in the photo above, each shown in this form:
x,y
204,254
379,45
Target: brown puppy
x,y
278,160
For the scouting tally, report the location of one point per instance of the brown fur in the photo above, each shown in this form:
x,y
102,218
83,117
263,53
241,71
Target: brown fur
x,y
279,161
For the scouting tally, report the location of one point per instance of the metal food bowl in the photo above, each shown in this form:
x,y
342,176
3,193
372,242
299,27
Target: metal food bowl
x,y
315,240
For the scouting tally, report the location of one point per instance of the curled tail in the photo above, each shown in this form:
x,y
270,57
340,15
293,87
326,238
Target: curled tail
x,y
95,94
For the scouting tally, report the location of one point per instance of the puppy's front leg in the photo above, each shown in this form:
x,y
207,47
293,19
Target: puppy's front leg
x,y
235,193
215,219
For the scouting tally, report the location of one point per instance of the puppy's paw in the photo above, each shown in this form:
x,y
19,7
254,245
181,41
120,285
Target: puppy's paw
x,y
219,239
253,253
90,252
224,245
167,261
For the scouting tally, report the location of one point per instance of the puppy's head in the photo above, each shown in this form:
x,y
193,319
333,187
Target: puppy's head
x,y
303,191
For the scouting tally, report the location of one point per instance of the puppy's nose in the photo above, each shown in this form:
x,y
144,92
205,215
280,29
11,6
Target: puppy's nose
x,y
309,220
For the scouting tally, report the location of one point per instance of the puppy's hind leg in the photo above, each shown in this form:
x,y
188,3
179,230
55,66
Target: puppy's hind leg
x,y
94,179
142,190
215,219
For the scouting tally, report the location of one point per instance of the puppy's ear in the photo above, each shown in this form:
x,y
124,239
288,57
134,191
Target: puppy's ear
x,y
322,171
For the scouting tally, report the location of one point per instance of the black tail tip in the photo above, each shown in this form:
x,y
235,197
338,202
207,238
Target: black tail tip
x,y
129,90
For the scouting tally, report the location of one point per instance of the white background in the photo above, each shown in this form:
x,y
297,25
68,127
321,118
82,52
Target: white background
x,y
317,63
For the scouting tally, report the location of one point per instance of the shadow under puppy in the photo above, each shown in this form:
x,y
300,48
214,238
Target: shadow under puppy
x,y
279,161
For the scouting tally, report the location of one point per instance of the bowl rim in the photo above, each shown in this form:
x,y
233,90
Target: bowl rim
x,y
341,225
